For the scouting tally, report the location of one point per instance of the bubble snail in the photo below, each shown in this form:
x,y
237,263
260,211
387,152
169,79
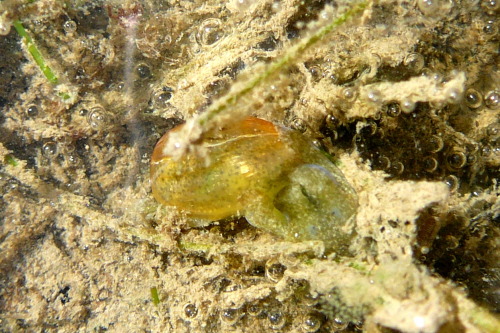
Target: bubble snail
x,y
273,176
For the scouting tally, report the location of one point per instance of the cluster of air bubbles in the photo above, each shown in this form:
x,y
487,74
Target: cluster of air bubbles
x,y
210,32
414,62
492,99
490,6
32,111
96,117
276,319
318,73
190,311
161,96
274,270
230,316
143,71
432,74
490,28
69,27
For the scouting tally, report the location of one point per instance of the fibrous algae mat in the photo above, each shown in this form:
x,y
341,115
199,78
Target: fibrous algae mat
x,y
404,95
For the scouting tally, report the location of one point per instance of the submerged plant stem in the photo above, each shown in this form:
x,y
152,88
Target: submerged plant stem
x,y
181,141
292,54
37,56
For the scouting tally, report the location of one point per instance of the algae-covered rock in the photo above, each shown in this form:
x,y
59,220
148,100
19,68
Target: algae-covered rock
x,y
401,95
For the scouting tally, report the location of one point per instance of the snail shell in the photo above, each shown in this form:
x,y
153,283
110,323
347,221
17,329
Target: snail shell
x,y
273,176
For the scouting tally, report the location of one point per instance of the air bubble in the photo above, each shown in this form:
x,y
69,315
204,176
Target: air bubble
x,y
242,4
160,97
274,270
5,27
254,309
349,93
492,99
473,98
396,168
407,106
298,124
210,32
454,96
83,112
190,310
331,122
493,130
433,75
434,7
143,71
316,72
73,159
97,117
452,182
216,88
334,79
430,164
230,316
32,111
373,96
49,149
382,163
486,150
435,144
338,324
456,160
414,61
276,320
451,242
312,322
69,26
393,109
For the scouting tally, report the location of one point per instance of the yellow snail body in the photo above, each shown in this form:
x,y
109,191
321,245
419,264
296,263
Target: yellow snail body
x,y
273,176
